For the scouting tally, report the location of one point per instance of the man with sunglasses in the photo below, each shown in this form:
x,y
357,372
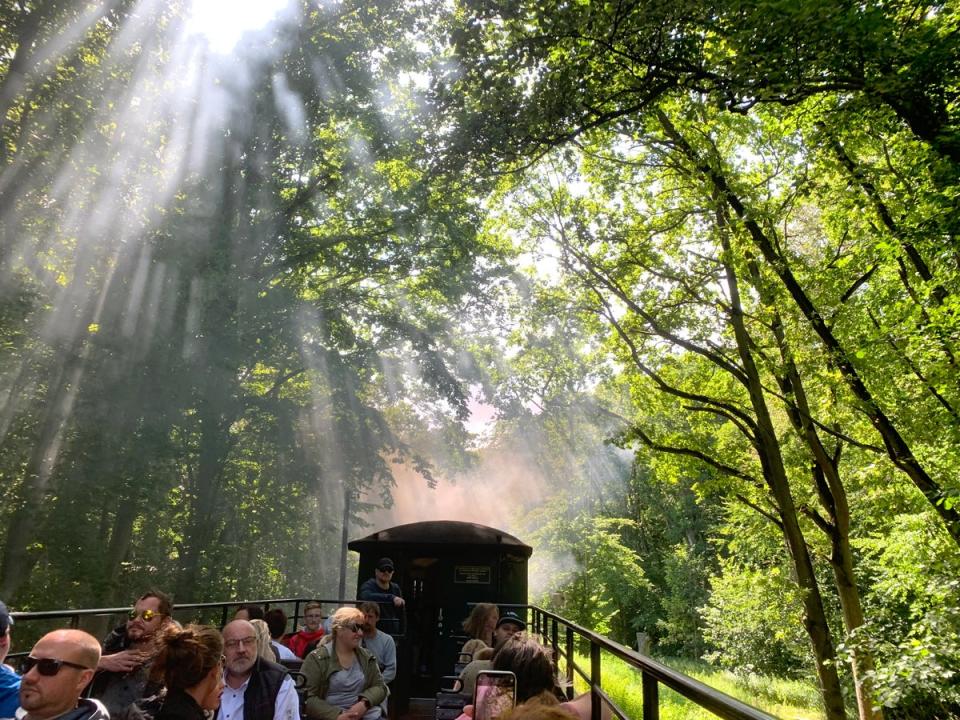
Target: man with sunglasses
x,y
382,590
122,681
255,688
9,680
54,676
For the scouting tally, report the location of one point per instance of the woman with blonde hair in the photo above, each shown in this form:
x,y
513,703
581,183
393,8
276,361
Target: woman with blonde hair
x,y
264,647
343,679
480,625
190,666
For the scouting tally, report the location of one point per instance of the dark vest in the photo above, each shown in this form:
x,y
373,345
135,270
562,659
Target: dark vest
x,y
260,697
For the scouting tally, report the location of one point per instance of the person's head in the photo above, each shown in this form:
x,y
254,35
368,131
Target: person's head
x,y
346,628
371,614
277,622
384,572
57,670
6,621
239,648
531,710
150,613
482,621
525,657
264,649
312,616
190,659
508,625
249,612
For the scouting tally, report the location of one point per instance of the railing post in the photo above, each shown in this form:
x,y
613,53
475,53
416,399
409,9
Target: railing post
x,y
223,616
651,698
554,639
570,692
594,680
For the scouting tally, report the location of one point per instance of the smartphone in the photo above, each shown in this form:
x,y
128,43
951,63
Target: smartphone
x,y
495,694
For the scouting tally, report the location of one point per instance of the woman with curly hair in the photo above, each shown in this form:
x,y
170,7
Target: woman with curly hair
x,y
343,679
190,666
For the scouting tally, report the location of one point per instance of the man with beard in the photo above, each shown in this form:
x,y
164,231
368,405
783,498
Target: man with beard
x,y
256,689
122,680
54,676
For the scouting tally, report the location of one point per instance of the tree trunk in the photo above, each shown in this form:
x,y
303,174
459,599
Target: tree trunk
x,y
897,448
832,496
775,474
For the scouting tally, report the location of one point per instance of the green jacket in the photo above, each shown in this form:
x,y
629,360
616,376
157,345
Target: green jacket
x,y
321,664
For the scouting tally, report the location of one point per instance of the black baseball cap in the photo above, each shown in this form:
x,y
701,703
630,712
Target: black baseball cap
x,y
384,563
511,617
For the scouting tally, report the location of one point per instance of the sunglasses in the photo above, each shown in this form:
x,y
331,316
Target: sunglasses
x,y
47,666
353,627
147,615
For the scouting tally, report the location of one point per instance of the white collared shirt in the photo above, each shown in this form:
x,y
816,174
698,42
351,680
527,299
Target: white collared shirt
x,y
287,706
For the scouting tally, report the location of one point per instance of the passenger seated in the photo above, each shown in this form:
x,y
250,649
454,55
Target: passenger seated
x,y
381,644
54,675
122,681
343,679
189,667
264,647
480,625
9,680
276,620
256,688
249,612
304,641
508,624
531,662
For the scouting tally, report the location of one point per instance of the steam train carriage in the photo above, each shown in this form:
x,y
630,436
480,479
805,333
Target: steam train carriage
x,y
441,567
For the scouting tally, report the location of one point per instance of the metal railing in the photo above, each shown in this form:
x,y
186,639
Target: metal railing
x,y
209,613
563,636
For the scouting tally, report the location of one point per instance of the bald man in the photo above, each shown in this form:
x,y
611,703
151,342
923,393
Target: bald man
x,y
255,688
54,676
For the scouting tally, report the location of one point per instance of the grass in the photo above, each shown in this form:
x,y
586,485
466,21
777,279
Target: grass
x,y
782,698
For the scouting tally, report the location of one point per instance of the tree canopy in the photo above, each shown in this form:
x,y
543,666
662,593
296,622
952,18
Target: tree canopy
x,y
700,258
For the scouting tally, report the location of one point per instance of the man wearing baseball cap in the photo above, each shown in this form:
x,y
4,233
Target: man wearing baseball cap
x,y
9,680
508,625
382,590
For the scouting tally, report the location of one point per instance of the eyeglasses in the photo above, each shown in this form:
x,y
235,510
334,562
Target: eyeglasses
x,y
147,615
47,666
353,627
233,644
385,570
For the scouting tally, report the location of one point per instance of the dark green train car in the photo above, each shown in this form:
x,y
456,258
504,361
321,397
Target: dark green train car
x,y
441,566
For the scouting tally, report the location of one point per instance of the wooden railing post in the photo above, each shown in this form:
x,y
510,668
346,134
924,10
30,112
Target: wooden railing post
x,y
651,697
570,692
594,681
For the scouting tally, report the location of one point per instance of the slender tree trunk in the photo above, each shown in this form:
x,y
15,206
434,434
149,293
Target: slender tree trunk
x,y
121,536
898,450
775,474
833,498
